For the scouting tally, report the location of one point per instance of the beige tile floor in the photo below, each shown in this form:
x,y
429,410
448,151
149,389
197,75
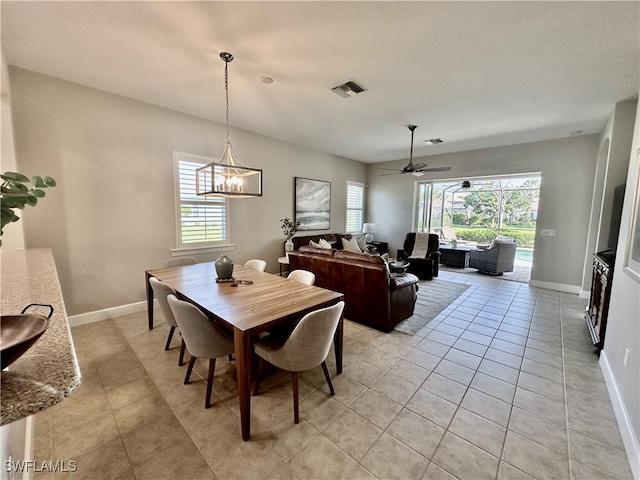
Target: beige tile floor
x,y
521,271
503,384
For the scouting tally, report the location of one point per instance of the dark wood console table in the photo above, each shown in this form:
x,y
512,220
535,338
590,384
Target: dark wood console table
x,y
381,247
598,309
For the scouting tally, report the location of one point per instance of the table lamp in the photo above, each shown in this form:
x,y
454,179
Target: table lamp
x,y
369,229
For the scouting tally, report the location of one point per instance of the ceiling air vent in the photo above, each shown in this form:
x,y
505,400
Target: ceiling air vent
x,y
349,89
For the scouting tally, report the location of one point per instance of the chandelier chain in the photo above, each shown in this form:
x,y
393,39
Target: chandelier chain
x,y
226,89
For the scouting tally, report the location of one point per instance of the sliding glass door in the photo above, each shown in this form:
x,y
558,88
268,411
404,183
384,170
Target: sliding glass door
x,y
481,208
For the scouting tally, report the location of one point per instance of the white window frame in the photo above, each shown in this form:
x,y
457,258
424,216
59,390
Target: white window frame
x,y
184,248
349,208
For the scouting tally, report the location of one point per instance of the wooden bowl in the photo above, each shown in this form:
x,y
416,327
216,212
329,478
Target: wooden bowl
x,y
18,333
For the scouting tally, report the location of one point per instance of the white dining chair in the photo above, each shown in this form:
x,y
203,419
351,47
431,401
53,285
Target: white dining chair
x,y
204,339
256,264
162,291
302,276
179,261
307,347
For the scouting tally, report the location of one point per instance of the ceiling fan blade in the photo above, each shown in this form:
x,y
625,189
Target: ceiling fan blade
x,y
436,169
386,174
393,169
420,166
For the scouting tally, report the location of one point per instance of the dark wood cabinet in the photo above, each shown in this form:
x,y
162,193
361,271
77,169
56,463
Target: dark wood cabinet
x,y
598,309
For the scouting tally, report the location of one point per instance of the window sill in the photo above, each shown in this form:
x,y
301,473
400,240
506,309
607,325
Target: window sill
x,y
179,252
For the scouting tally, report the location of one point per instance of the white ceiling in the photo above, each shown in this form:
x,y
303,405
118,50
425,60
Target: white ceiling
x,y
477,74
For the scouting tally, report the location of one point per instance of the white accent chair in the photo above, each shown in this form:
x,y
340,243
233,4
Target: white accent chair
x,y
204,338
307,347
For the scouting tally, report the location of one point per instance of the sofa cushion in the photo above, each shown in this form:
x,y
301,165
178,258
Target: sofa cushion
x,y
328,252
400,280
351,245
360,257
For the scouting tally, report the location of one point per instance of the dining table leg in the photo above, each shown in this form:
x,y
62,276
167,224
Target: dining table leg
x,y
149,301
243,348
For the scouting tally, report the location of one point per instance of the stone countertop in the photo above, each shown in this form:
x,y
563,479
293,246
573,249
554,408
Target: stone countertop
x,y
48,371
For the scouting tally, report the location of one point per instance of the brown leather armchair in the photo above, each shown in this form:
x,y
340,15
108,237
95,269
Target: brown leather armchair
x,y
424,268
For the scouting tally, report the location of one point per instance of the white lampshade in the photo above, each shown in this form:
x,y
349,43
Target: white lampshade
x,y
368,229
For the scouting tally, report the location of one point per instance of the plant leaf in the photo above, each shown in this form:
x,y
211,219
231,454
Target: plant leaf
x,y
14,176
49,181
15,195
14,188
38,193
38,182
13,203
32,200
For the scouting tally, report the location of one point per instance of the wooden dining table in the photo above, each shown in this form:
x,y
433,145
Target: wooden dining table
x,y
258,303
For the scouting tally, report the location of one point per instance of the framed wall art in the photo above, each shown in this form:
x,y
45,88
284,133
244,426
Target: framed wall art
x,y
313,204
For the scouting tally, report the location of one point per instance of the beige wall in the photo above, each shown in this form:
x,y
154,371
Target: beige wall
x,y
623,328
611,171
112,214
13,235
567,167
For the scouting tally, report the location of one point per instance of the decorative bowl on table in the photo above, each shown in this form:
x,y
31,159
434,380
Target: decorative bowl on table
x,y
18,333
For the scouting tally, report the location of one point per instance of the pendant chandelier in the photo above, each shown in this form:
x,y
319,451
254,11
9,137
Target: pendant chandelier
x,y
228,177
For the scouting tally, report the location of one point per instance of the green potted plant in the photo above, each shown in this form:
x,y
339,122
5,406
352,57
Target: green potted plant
x,y
17,191
289,228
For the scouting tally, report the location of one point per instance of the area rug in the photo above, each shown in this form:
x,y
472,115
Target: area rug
x,y
433,297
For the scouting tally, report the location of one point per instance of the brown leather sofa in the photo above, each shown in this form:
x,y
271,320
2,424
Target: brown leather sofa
x,y
373,297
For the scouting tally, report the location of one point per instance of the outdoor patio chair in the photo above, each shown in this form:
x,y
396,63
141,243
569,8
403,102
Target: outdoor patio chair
x,y
495,260
448,235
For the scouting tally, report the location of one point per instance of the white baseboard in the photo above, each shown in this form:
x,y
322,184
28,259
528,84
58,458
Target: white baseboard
x,y
629,437
559,287
107,313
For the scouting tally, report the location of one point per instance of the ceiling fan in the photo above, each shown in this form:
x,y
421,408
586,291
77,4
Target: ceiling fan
x,y
419,168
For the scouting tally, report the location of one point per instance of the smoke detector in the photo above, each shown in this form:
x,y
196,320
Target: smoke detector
x,y
349,89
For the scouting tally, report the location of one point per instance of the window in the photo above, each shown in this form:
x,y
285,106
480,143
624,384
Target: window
x,y
355,204
202,221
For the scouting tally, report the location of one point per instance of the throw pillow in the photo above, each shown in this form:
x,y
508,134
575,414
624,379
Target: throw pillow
x,y
362,243
314,244
351,245
324,243
500,239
